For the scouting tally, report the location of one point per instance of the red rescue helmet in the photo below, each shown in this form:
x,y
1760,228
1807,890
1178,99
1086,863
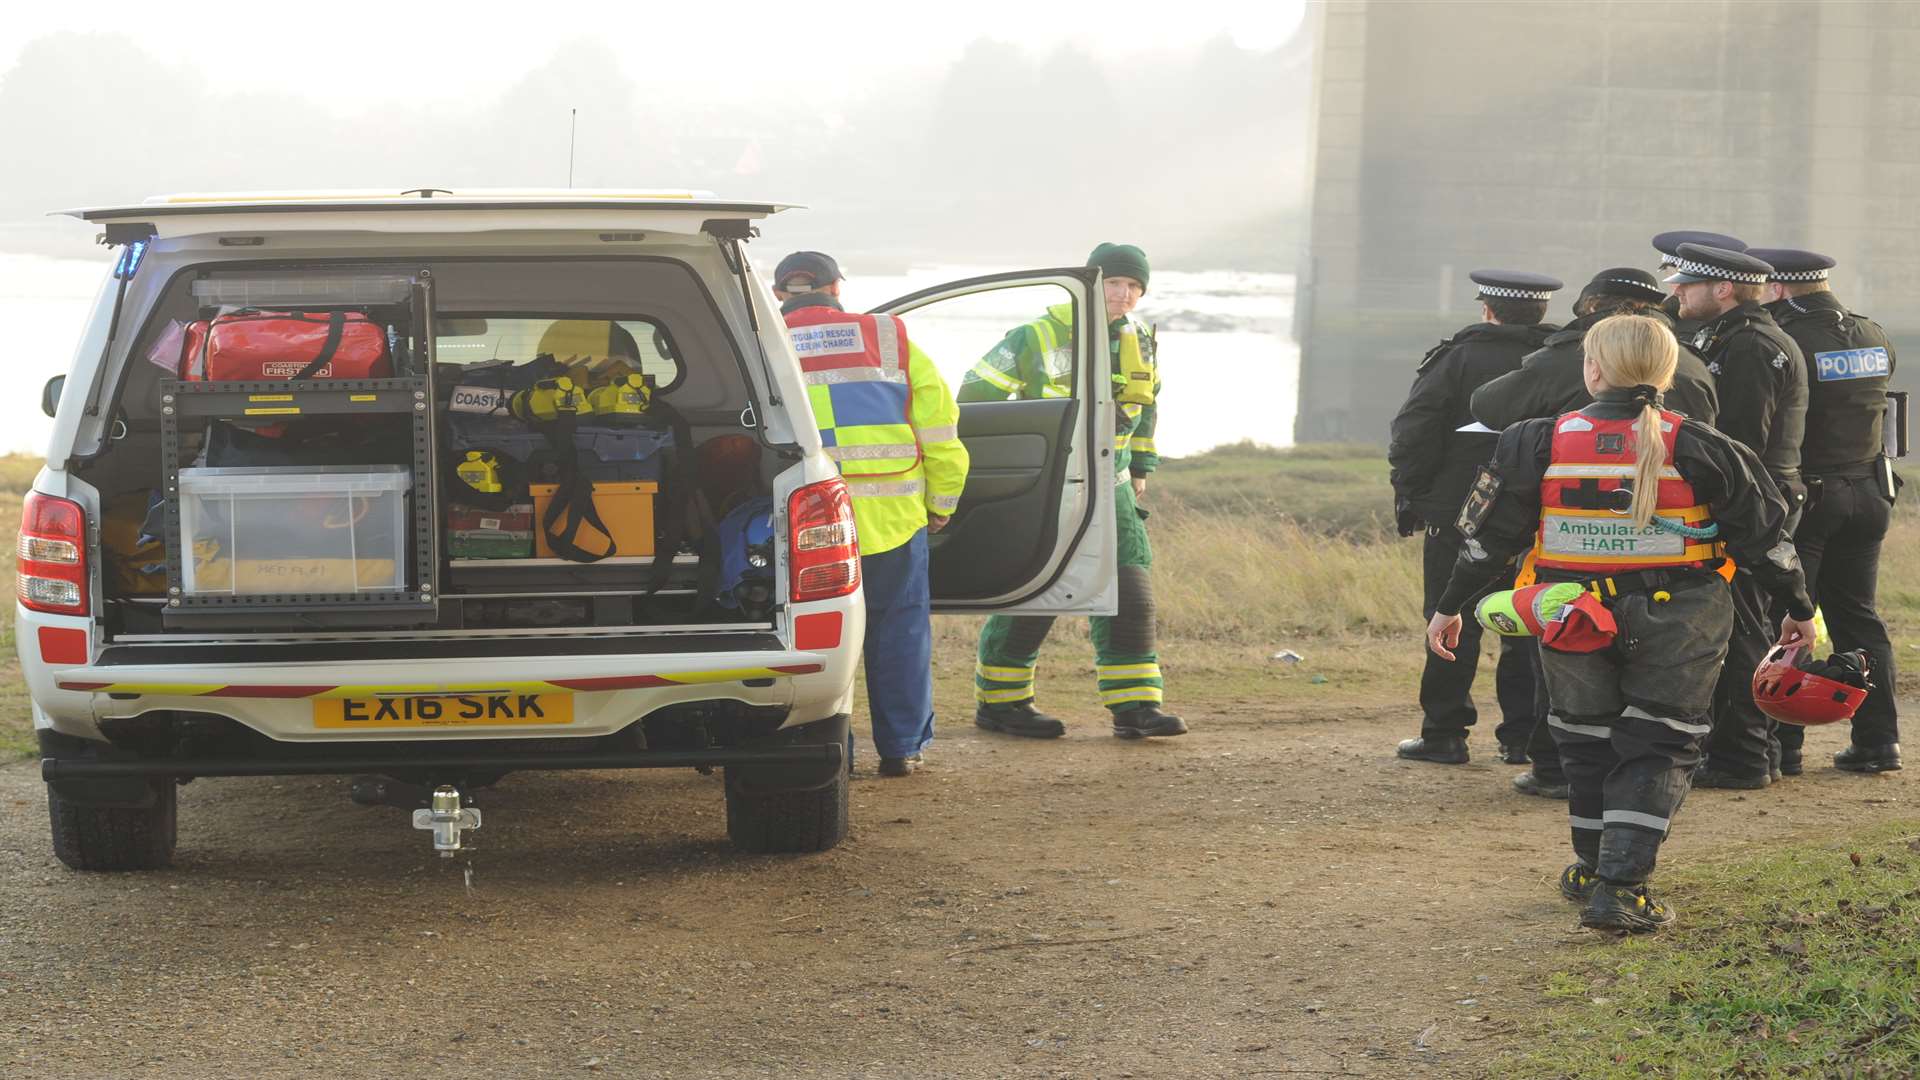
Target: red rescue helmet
x,y
1793,688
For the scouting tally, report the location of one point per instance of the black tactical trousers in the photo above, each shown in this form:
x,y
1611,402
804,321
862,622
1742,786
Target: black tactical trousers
x,y
1744,740
1629,721
1540,745
1839,541
1446,698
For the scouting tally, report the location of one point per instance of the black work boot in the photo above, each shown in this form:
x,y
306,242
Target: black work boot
x,y
1709,777
1529,783
1624,907
1868,759
1146,720
1444,751
900,766
1019,718
1577,883
1792,763
1514,754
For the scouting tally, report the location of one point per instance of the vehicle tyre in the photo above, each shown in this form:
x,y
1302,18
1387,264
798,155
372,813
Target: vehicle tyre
x,y
90,837
788,821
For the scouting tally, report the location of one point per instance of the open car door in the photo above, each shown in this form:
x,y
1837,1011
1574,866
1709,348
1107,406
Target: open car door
x,y
1034,532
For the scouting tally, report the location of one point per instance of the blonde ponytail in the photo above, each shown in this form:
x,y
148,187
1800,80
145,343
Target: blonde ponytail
x,y
1638,353
1649,457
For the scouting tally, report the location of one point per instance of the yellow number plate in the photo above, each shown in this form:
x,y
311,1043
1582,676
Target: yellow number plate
x,y
459,710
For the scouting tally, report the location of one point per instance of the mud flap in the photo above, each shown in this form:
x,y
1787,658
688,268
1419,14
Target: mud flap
x,y
121,792
769,779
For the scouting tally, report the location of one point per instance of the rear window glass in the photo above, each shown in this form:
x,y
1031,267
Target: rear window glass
x,y
485,339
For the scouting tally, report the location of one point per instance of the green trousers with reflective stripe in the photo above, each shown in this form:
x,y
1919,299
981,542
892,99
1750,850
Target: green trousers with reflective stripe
x,y
1125,655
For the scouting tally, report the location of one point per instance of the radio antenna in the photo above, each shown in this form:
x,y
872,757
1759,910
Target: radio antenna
x,y
573,124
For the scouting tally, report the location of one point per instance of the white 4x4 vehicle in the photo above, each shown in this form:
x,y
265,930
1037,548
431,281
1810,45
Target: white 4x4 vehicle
x,y
429,671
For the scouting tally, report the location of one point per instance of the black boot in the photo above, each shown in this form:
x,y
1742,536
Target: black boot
x,y
1529,783
1624,907
1577,883
1019,718
1792,763
1514,754
1444,751
1868,759
900,766
1146,720
1709,777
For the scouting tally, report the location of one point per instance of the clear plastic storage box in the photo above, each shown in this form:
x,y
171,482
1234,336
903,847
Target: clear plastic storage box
x,y
282,531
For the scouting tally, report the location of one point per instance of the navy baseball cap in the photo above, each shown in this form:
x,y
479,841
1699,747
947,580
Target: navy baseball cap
x,y
816,266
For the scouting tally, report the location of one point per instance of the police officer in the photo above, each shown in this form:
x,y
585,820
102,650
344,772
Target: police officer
x,y
1850,489
1668,245
1550,382
1762,381
1634,504
1433,464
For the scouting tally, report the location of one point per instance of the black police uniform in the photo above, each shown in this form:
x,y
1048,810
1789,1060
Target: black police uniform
x,y
1629,718
1849,489
1551,381
1762,381
1433,465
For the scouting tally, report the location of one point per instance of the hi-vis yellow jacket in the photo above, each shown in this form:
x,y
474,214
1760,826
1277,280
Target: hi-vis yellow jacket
x,y
1035,360
885,416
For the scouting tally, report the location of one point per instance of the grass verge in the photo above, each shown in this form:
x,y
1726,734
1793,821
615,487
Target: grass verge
x,y
1804,961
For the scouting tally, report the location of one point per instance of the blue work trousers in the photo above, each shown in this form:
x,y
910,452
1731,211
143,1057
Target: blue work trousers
x,y
899,648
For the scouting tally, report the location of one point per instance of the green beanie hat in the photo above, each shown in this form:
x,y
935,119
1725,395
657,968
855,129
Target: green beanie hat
x,y
1120,260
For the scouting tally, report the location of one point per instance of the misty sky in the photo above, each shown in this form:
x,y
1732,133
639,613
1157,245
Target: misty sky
x,y
728,51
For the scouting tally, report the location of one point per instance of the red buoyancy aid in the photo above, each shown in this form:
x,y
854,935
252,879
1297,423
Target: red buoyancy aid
x,y
856,370
1584,499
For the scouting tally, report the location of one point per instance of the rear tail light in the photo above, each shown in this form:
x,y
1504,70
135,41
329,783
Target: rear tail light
x,y
53,555
826,553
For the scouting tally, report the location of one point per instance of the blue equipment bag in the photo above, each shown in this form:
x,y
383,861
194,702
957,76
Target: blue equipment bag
x,y
746,558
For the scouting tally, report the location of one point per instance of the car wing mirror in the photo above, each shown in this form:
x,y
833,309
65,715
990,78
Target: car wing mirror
x,y
50,394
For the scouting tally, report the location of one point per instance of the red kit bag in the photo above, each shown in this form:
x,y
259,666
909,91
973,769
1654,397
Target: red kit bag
x,y
262,346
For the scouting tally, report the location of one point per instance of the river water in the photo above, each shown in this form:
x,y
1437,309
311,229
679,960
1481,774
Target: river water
x,y
1228,361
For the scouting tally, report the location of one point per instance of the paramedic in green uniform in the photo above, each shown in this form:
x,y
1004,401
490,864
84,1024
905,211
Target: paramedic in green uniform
x,y
1035,360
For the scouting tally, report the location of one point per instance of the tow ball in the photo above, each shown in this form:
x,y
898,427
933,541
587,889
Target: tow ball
x,y
447,819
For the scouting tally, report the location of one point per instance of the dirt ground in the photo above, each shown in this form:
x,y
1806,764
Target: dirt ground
x,y
1271,895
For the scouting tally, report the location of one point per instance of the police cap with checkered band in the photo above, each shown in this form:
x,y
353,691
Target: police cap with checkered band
x,y
1668,243
1792,266
1698,262
1514,285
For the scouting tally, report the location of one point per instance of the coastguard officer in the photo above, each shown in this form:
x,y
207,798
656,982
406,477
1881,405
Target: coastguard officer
x,y
1126,655
1433,466
1668,245
1850,489
1635,504
1550,382
1762,381
875,392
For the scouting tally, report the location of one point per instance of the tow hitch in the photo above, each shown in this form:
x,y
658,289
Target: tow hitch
x,y
448,819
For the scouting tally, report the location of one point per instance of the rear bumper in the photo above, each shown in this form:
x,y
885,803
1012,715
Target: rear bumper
x,y
608,692
806,756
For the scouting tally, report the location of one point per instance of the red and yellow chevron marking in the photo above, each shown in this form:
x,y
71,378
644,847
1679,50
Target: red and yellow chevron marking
x,y
554,686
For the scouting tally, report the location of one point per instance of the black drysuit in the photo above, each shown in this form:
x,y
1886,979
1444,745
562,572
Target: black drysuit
x,y
1630,719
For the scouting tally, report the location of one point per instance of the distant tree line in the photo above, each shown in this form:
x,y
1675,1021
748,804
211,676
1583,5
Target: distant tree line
x,y
1008,153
